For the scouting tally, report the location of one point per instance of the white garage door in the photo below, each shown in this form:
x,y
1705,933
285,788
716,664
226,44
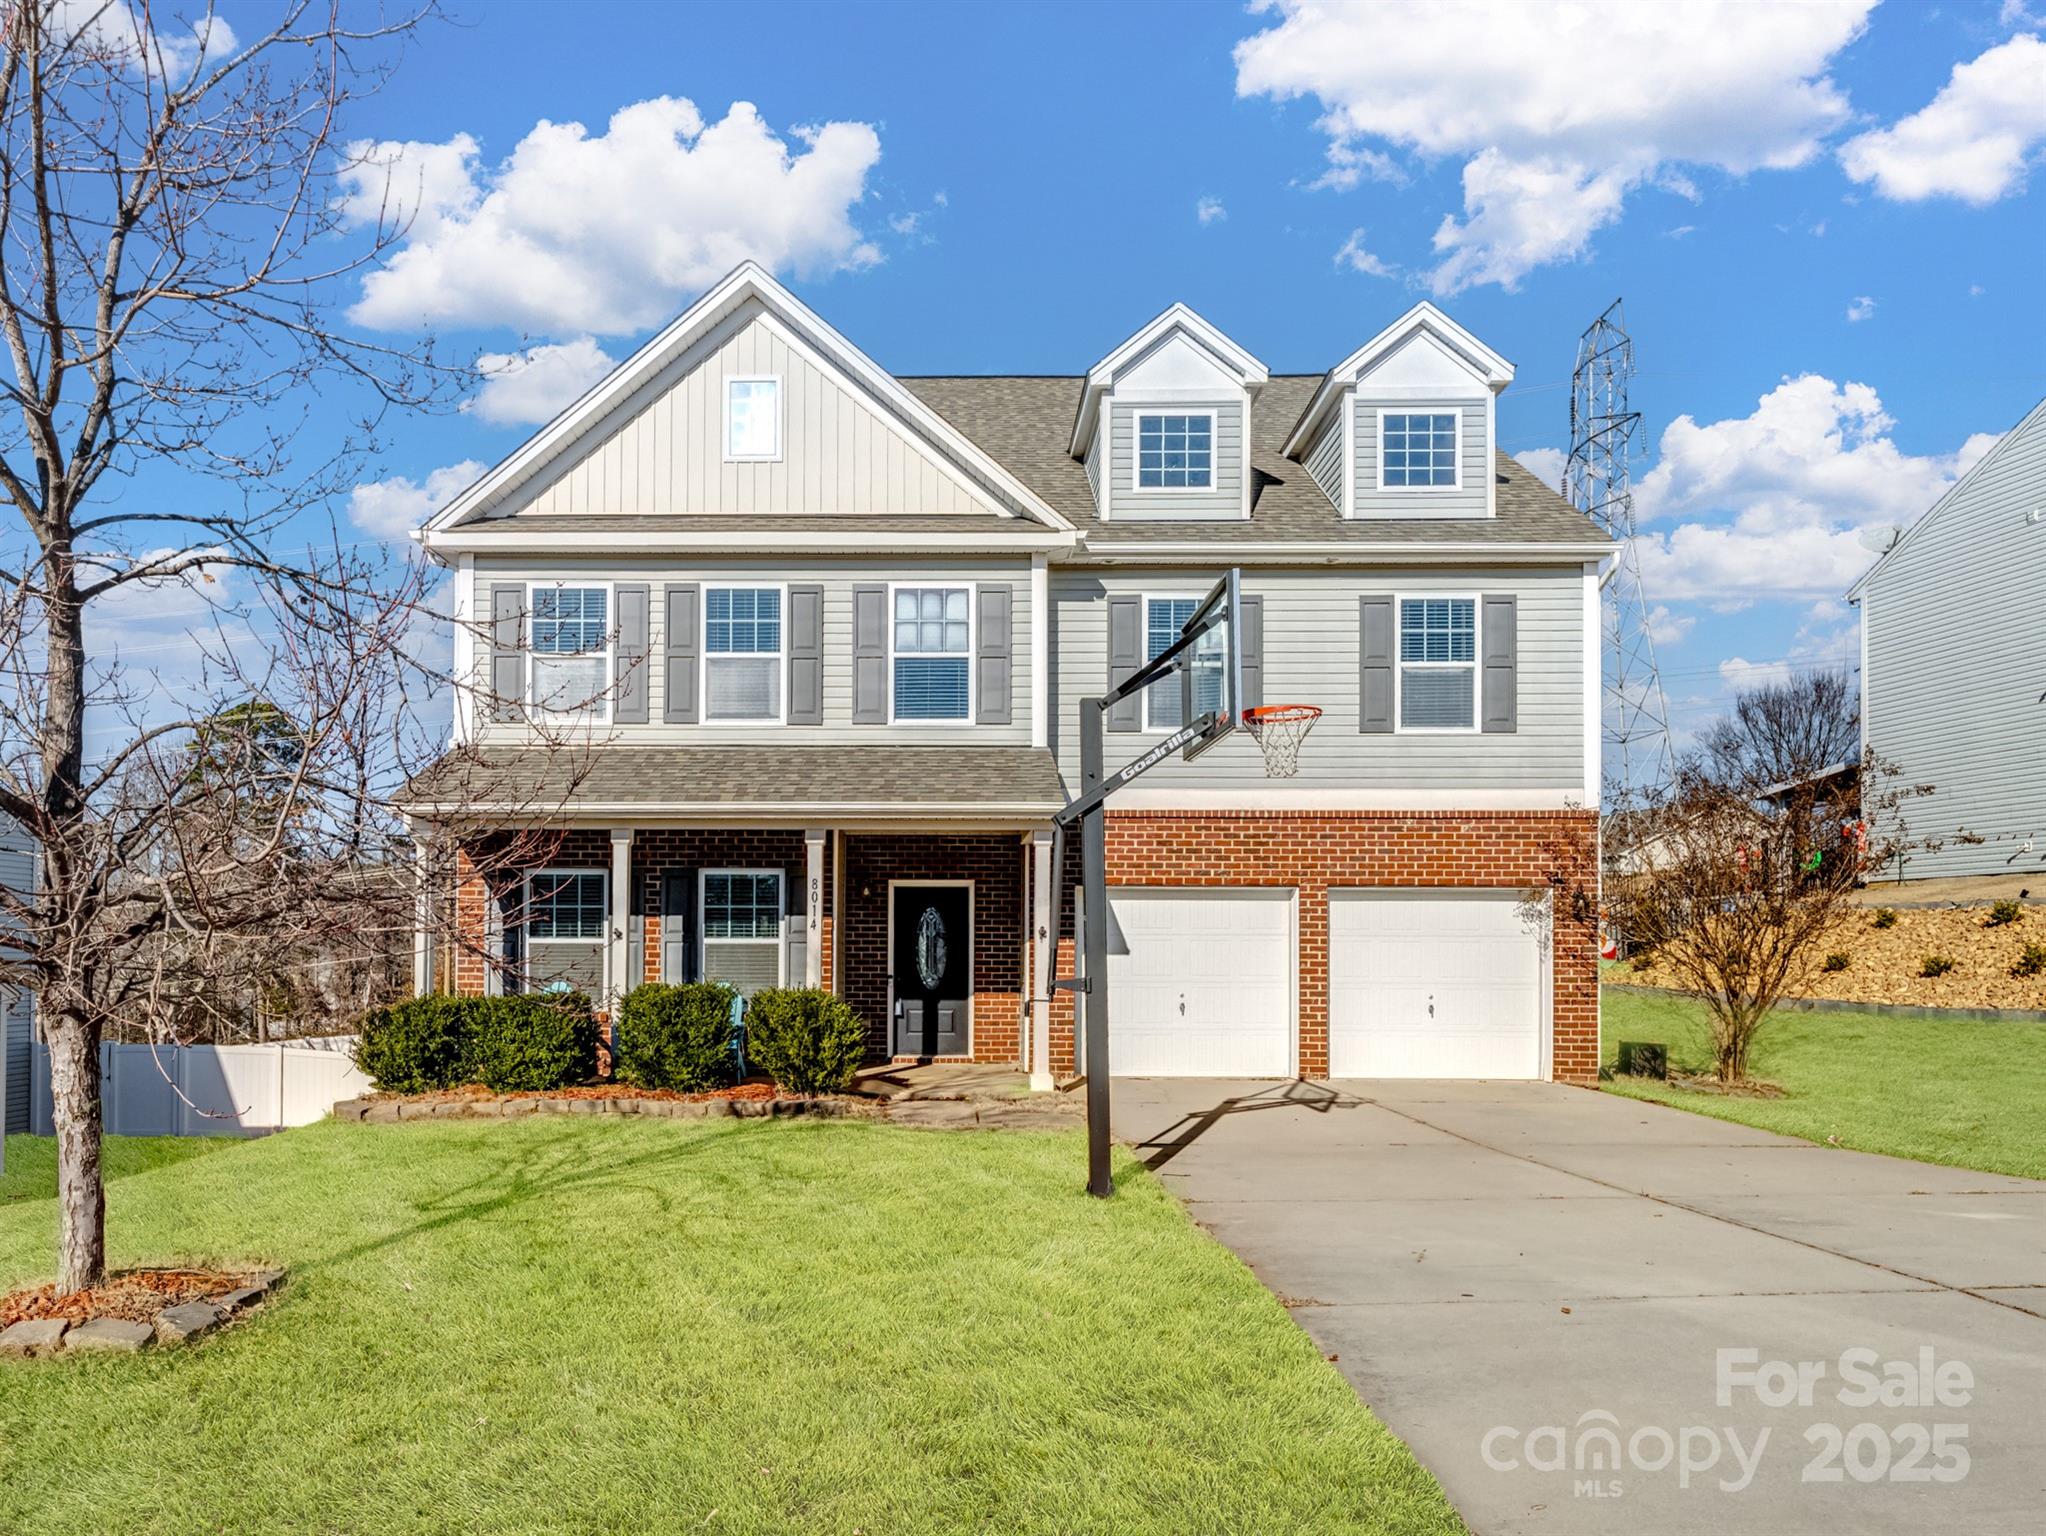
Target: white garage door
x,y
1200,983
1433,984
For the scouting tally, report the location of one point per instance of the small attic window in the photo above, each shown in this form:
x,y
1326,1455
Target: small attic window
x,y
1176,452
753,418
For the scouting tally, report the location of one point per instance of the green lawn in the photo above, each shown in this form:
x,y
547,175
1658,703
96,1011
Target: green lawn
x,y
1967,1093
617,1324
31,1172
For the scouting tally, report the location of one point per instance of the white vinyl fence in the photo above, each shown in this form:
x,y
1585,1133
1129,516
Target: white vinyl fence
x,y
234,1090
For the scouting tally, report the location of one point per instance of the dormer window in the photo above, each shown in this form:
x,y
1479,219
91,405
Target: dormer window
x,y
1419,449
1176,452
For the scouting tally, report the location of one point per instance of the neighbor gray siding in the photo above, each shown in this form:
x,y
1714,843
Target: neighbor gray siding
x,y
17,1008
1955,619
1225,501
1325,460
1311,622
1467,500
838,579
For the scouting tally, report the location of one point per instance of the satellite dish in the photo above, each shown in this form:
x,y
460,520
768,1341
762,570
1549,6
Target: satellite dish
x,y
1881,538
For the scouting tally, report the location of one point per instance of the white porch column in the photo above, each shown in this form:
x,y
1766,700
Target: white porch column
x,y
813,906
422,921
1043,891
618,959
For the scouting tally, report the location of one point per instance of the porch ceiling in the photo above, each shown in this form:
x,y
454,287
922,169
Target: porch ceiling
x,y
593,781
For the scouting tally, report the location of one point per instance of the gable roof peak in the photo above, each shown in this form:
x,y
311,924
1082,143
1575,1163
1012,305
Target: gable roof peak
x,y
1423,318
1176,317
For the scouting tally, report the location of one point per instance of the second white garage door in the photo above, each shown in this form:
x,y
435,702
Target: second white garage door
x,y
1433,984
1200,983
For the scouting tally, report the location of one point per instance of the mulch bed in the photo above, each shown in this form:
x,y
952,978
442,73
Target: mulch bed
x,y
474,1093
135,1294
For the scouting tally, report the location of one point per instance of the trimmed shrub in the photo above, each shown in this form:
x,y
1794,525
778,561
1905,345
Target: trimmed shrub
x,y
416,1046
2003,913
533,1042
2031,961
1936,965
806,1039
676,1037
1836,962
1885,917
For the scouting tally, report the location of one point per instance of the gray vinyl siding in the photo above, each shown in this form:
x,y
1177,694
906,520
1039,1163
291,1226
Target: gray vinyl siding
x,y
1311,657
1224,501
1956,662
1093,463
17,1008
1325,460
838,579
1475,454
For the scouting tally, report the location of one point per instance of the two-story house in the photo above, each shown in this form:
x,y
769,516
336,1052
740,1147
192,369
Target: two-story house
x,y
788,650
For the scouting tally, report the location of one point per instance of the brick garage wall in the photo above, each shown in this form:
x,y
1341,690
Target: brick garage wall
x,y
1312,851
994,862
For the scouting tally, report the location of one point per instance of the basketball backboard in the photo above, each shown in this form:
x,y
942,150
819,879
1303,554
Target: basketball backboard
x,y
1211,678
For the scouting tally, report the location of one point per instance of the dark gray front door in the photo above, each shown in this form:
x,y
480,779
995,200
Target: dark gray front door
x,y
932,952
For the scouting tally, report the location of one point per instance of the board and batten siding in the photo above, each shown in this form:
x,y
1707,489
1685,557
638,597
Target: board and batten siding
x,y
1311,656
1325,460
1129,504
1955,631
662,451
838,579
1474,454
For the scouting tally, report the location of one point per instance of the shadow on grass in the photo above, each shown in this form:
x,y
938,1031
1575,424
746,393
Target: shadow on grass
x,y
1315,1098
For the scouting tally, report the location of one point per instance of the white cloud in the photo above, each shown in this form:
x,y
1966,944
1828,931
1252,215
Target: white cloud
x,y
1972,141
1354,256
1774,500
1861,307
1209,210
170,41
581,234
1547,464
1829,639
391,509
529,388
1547,161
905,223
1669,628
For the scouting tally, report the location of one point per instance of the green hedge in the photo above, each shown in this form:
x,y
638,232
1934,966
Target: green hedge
x,y
676,1037
509,1044
806,1039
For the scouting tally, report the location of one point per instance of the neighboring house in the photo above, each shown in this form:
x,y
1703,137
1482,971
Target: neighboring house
x,y
827,630
1953,664
17,1005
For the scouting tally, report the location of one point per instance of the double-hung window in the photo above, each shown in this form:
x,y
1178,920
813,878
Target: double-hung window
x,y
1417,449
1438,663
742,653
565,915
1176,451
571,646
1164,708
752,419
931,665
742,928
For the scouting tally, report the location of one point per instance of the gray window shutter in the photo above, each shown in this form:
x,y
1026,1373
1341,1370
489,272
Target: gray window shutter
x,y
1378,635
507,940
629,656
678,675
678,947
635,937
1501,706
1250,649
1125,655
870,656
806,655
996,647
507,650
795,929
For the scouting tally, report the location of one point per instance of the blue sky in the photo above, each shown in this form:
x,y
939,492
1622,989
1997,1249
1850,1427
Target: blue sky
x,y
1809,194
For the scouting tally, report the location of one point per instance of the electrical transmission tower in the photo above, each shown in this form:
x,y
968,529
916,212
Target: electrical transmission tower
x,y
1603,442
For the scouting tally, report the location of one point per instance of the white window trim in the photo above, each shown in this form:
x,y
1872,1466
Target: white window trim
x,y
780,417
972,895
1137,414
1455,415
1475,665
600,711
972,591
780,939
703,653
601,943
1160,597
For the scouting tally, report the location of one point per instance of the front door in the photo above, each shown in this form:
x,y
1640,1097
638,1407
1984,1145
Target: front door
x,y
931,960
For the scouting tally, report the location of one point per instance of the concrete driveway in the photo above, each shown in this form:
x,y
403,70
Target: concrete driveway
x,y
1533,1286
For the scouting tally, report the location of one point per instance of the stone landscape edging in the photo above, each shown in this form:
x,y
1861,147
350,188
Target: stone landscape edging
x,y
40,1337
385,1111
1891,1010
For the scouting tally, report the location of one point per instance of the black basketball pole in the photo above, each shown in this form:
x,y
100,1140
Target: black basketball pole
x,y
1094,941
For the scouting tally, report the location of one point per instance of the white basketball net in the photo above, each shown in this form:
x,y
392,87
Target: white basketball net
x,y
1278,730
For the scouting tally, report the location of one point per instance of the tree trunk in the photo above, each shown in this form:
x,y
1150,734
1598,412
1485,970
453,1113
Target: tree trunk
x,y
81,1197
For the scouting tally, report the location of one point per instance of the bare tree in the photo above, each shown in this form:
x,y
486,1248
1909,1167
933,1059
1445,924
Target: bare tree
x,y
175,233
1779,733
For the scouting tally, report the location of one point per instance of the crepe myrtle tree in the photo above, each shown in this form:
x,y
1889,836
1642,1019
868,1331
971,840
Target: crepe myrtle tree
x,y
182,397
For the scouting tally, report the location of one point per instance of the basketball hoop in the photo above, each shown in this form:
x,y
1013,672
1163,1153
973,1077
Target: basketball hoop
x,y
1278,730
